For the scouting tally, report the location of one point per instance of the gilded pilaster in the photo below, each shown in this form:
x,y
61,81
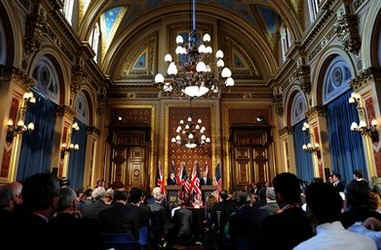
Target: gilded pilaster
x,y
287,150
319,131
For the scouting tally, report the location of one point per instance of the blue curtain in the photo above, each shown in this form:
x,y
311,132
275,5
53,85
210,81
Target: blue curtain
x,y
346,148
37,146
304,165
77,158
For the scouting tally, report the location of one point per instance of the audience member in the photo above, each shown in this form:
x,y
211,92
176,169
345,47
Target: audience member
x,y
358,203
183,224
291,226
357,175
325,204
92,210
16,189
336,182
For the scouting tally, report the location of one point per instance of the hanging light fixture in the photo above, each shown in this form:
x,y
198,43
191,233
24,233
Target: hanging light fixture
x,y
195,77
20,127
190,133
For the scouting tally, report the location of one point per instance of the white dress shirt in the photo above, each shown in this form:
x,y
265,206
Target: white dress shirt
x,y
333,236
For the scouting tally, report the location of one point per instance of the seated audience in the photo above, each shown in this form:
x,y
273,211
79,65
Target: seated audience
x,y
359,205
291,225
92,210
325,204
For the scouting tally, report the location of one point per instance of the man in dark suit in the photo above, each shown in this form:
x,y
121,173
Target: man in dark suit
x,y
172,179
205,180
183,224
336,182
291,225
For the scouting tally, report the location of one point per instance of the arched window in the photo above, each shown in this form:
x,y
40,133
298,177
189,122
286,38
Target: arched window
x,y
94,40
82,108
298,109
336,80
47,80
68,10
313,7
3,45
285,41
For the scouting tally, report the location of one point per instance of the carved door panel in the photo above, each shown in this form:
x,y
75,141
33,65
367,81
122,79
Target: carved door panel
x,y
242,166
136,173
260,162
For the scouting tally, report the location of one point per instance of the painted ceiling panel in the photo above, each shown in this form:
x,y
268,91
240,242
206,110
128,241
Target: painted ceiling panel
x,y
271,18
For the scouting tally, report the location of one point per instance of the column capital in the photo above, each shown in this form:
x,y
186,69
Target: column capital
x,y
9,73
286,130
93,131
65,110
364,77
316,111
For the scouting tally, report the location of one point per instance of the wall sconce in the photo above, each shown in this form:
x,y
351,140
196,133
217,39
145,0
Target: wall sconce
x,y
310,147
363,128
20,127
70,147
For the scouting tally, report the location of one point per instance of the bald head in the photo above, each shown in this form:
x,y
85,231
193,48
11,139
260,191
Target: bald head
x,y
16,188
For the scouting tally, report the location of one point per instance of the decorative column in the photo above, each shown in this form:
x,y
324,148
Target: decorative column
x,y
64,122
287,150
367,85
89,179
13,84
278,164
319,135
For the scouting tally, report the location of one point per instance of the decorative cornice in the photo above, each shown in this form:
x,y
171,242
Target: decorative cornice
x,y
348,32
286,130
278,104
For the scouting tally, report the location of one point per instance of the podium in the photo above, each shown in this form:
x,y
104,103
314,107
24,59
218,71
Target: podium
x,y
173,190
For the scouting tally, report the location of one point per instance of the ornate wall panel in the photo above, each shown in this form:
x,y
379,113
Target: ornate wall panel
x,y
369,106
5,166
178,153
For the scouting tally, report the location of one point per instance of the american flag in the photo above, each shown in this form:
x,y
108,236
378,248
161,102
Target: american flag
x,y
160,179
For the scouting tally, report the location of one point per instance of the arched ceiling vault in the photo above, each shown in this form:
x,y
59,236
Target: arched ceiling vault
x,y
253,18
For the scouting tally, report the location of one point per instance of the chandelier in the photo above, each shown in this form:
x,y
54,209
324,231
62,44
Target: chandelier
x,y
193,76
190,134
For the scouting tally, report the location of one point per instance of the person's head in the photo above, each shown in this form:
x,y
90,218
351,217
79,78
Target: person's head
x,y
287,189
251,198
357,175
100,183
98,193
120,196
41,193
67,200
172,175
336,177
16,189
357,194
135,196
109,196
157,195
224,195
87,194
6,201
324,203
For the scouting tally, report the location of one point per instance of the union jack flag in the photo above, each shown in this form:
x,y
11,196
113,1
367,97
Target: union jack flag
x,y
160,179
194,182
218,179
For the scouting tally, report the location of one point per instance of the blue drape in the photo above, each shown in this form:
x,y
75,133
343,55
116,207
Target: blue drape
x,y
77,158
37,146
346,147
303,159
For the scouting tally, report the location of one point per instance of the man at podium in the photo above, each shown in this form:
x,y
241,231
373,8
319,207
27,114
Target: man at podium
x,y
205,180
172,179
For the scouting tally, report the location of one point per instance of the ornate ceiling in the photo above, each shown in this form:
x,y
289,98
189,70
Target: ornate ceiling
x,y
250,26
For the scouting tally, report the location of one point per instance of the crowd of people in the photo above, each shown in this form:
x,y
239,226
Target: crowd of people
x,y
289,215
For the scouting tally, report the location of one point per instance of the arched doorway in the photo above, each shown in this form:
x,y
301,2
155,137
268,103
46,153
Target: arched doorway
x,y
303,159
78,158
346,146
37,146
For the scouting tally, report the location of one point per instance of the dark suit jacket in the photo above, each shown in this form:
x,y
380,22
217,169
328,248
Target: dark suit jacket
x,y
171,182
286,230
91,211
207,182
339,187
115,219
183,222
